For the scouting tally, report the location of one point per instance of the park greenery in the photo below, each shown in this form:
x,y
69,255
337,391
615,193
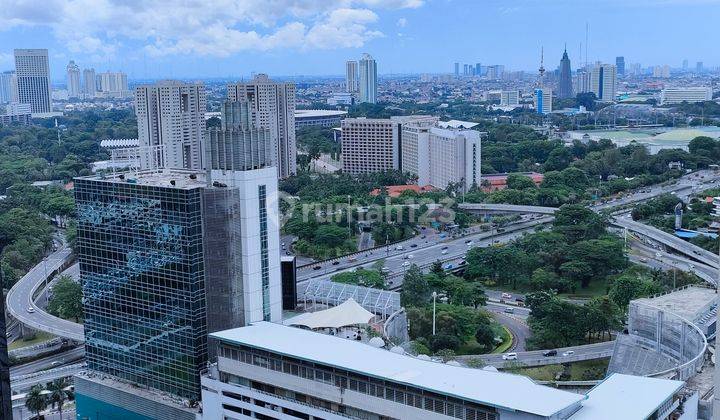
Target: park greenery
x,y
461,327
66,301
314,141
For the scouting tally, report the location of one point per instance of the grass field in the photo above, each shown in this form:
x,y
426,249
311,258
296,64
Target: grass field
x,y
40,336
579,371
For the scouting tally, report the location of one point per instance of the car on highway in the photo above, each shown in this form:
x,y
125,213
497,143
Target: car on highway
x,y
413,246
506,296
550,353
56,364
317,267
336,262
509,356
444,251
449,267
409,256
568,353
509,310
288,253
399,247
406,264
444,248
31,310
352,259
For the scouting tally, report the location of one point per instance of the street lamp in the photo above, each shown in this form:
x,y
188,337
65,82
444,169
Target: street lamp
x,y
434,296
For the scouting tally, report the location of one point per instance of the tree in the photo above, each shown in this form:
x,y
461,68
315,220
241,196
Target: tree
x,y
519,182
35,400
485,336
58,393
577,223
361,277
628,287
415,291
330,236
437,269
66,300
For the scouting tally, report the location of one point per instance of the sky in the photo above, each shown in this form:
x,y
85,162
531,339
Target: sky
x,y
151,39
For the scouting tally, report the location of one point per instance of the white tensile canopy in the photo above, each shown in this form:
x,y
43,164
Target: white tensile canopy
x,y
347,313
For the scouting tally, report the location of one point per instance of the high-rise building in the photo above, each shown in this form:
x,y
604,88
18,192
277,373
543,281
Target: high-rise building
x,y
510,98
166,257
351,76
368,79
89,83
495,71
603,82
685,64
543,100
273,104
238,145
620,64
113,84
32,69
661,71
441,156
466,70
373,144
457,69
478,69
565,89
699,67
171,124
73,80
676,95
8,87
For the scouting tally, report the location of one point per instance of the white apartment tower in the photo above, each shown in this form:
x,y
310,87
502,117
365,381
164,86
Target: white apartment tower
x,y
113,84
89,83
510,98
368,79
73,80
171,124
351,76
676,95
603,82
32,69
440,156
273,106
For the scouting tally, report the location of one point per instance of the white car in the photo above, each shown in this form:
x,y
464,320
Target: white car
x,y
506,296
568,353
406,264
31,310
399,247
509,356
444,251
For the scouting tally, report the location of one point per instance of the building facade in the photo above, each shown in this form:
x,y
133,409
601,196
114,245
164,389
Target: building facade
x,y
274,107
16,113
369,145
32,69
676,95
238,145
620,64
543,100
510,98
73,80
441,156
351,76
89,83
368,79
113,84
318,117
171,124
565,88
603,82
8,87
167,257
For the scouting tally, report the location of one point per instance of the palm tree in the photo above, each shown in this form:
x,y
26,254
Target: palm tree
x,y
58,393
36,401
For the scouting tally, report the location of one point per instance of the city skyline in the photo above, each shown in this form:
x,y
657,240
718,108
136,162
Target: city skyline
x,y
318,39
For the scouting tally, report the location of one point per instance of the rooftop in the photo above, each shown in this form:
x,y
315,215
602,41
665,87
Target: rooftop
x,y
315,113
183,178
457,124
636,397
687,303
502,390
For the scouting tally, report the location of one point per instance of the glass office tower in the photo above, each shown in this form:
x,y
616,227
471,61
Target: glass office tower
x,y
140,248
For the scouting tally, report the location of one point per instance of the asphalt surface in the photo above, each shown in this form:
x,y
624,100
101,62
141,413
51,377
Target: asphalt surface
x,y
50,362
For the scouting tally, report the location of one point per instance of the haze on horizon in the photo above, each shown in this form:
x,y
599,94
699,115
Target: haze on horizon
x,y
232,38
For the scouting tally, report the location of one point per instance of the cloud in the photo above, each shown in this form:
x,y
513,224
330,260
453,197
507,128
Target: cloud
x,y
401,23
177,27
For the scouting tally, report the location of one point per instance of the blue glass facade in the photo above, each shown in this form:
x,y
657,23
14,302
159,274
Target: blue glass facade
x,y
140,249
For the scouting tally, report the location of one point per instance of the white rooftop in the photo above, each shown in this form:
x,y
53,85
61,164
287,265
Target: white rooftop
x,y
314,113
456,124
502,390
631,397
342,315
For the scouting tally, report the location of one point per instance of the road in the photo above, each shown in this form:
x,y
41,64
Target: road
x,y
23,308
50,362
